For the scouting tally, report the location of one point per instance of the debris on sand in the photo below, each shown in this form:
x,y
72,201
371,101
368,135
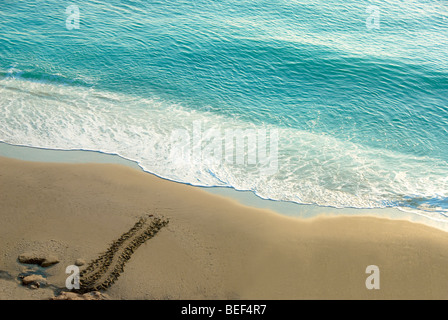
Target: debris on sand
x,y
34,281
95,295
41,259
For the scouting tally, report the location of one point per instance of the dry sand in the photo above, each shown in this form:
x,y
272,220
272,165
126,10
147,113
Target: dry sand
x,y
213,247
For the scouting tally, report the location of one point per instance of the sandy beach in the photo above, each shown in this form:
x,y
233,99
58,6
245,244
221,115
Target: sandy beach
x,y
212,248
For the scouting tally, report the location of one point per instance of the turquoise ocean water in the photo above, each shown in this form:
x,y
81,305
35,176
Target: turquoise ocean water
x,y
359,113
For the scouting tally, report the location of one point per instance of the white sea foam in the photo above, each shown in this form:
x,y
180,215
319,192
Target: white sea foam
x,y
311,168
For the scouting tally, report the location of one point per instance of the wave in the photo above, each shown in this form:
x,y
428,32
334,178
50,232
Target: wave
x,y
204,148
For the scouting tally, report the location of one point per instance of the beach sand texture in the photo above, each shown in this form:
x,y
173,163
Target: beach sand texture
x,y
212,248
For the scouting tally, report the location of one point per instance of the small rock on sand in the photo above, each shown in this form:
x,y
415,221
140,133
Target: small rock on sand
x,y
80,262
49,261
34,281
44,260
95,295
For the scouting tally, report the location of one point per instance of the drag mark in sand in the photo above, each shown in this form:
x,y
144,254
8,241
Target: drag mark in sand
x,y
102,272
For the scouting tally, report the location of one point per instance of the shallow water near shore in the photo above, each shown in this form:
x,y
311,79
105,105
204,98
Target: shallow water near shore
x,y
243,197
360,109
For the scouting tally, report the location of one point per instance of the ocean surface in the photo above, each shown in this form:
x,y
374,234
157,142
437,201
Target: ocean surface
x,y
333,103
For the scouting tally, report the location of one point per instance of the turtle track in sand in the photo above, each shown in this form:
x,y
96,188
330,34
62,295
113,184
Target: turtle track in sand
x,y
102,272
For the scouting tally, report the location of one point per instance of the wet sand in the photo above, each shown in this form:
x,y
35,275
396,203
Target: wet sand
x,y
212,248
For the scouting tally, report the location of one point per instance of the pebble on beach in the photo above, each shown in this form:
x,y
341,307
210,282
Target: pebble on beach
x,y
34,281
80,262
44,260
95,295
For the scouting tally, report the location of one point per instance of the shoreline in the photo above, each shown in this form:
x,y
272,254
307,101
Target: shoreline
x,y
247,198
213,247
